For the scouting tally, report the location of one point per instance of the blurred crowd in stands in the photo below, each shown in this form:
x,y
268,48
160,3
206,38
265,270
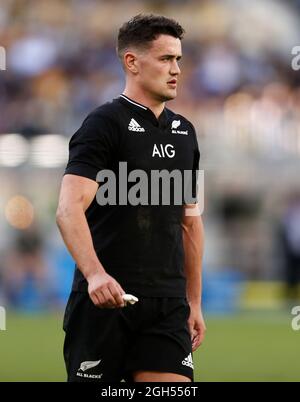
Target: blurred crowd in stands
x,y
237,86
61,59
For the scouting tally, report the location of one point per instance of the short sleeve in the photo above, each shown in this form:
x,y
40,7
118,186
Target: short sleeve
x,y
92,148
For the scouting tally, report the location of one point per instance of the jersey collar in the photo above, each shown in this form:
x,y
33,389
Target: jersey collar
x,y
144,111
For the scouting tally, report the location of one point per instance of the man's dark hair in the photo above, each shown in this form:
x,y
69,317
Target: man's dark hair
x,y
142,29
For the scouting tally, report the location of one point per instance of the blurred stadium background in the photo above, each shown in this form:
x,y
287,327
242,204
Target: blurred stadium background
x,y
240,91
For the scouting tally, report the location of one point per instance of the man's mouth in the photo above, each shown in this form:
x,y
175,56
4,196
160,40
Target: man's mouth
x,y
172,82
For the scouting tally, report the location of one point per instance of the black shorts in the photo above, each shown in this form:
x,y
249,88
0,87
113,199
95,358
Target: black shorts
x,y
110,344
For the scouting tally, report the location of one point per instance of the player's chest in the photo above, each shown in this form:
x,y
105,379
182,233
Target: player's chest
x,y
146,146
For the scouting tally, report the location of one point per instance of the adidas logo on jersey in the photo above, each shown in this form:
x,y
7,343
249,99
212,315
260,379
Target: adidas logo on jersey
x,y
134,126
188,361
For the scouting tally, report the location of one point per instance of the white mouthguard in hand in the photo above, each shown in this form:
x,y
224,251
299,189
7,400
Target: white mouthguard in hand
x,y
129,299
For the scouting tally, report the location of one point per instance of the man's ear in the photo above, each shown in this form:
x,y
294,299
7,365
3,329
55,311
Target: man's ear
x,y
130,62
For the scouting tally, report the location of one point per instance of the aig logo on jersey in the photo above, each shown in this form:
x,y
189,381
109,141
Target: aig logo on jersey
x,y
163,151
175,125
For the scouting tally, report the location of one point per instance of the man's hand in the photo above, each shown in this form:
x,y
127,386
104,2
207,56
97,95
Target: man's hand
x,y
197,326
105,291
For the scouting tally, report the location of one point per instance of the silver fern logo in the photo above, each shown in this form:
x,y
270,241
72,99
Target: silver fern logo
x,y
175,124
88,365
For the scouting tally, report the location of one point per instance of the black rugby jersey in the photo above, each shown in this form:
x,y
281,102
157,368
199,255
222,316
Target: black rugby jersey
x,y
139,245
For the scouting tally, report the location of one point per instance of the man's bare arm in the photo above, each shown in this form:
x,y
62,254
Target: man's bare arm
x,y
193,242
76,195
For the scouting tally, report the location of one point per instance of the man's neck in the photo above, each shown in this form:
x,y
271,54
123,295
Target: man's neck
x,y
155,106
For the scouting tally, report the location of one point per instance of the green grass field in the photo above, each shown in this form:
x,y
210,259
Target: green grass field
x,y
248,347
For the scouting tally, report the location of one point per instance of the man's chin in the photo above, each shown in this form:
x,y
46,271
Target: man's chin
x,y
168,96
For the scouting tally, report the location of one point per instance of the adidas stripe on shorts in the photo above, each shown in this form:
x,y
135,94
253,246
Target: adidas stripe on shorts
x,y
110,344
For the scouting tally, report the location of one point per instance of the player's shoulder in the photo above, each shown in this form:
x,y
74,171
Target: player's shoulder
x,y
108,110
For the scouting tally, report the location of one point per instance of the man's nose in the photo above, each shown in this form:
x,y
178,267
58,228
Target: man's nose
x,y
175,68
